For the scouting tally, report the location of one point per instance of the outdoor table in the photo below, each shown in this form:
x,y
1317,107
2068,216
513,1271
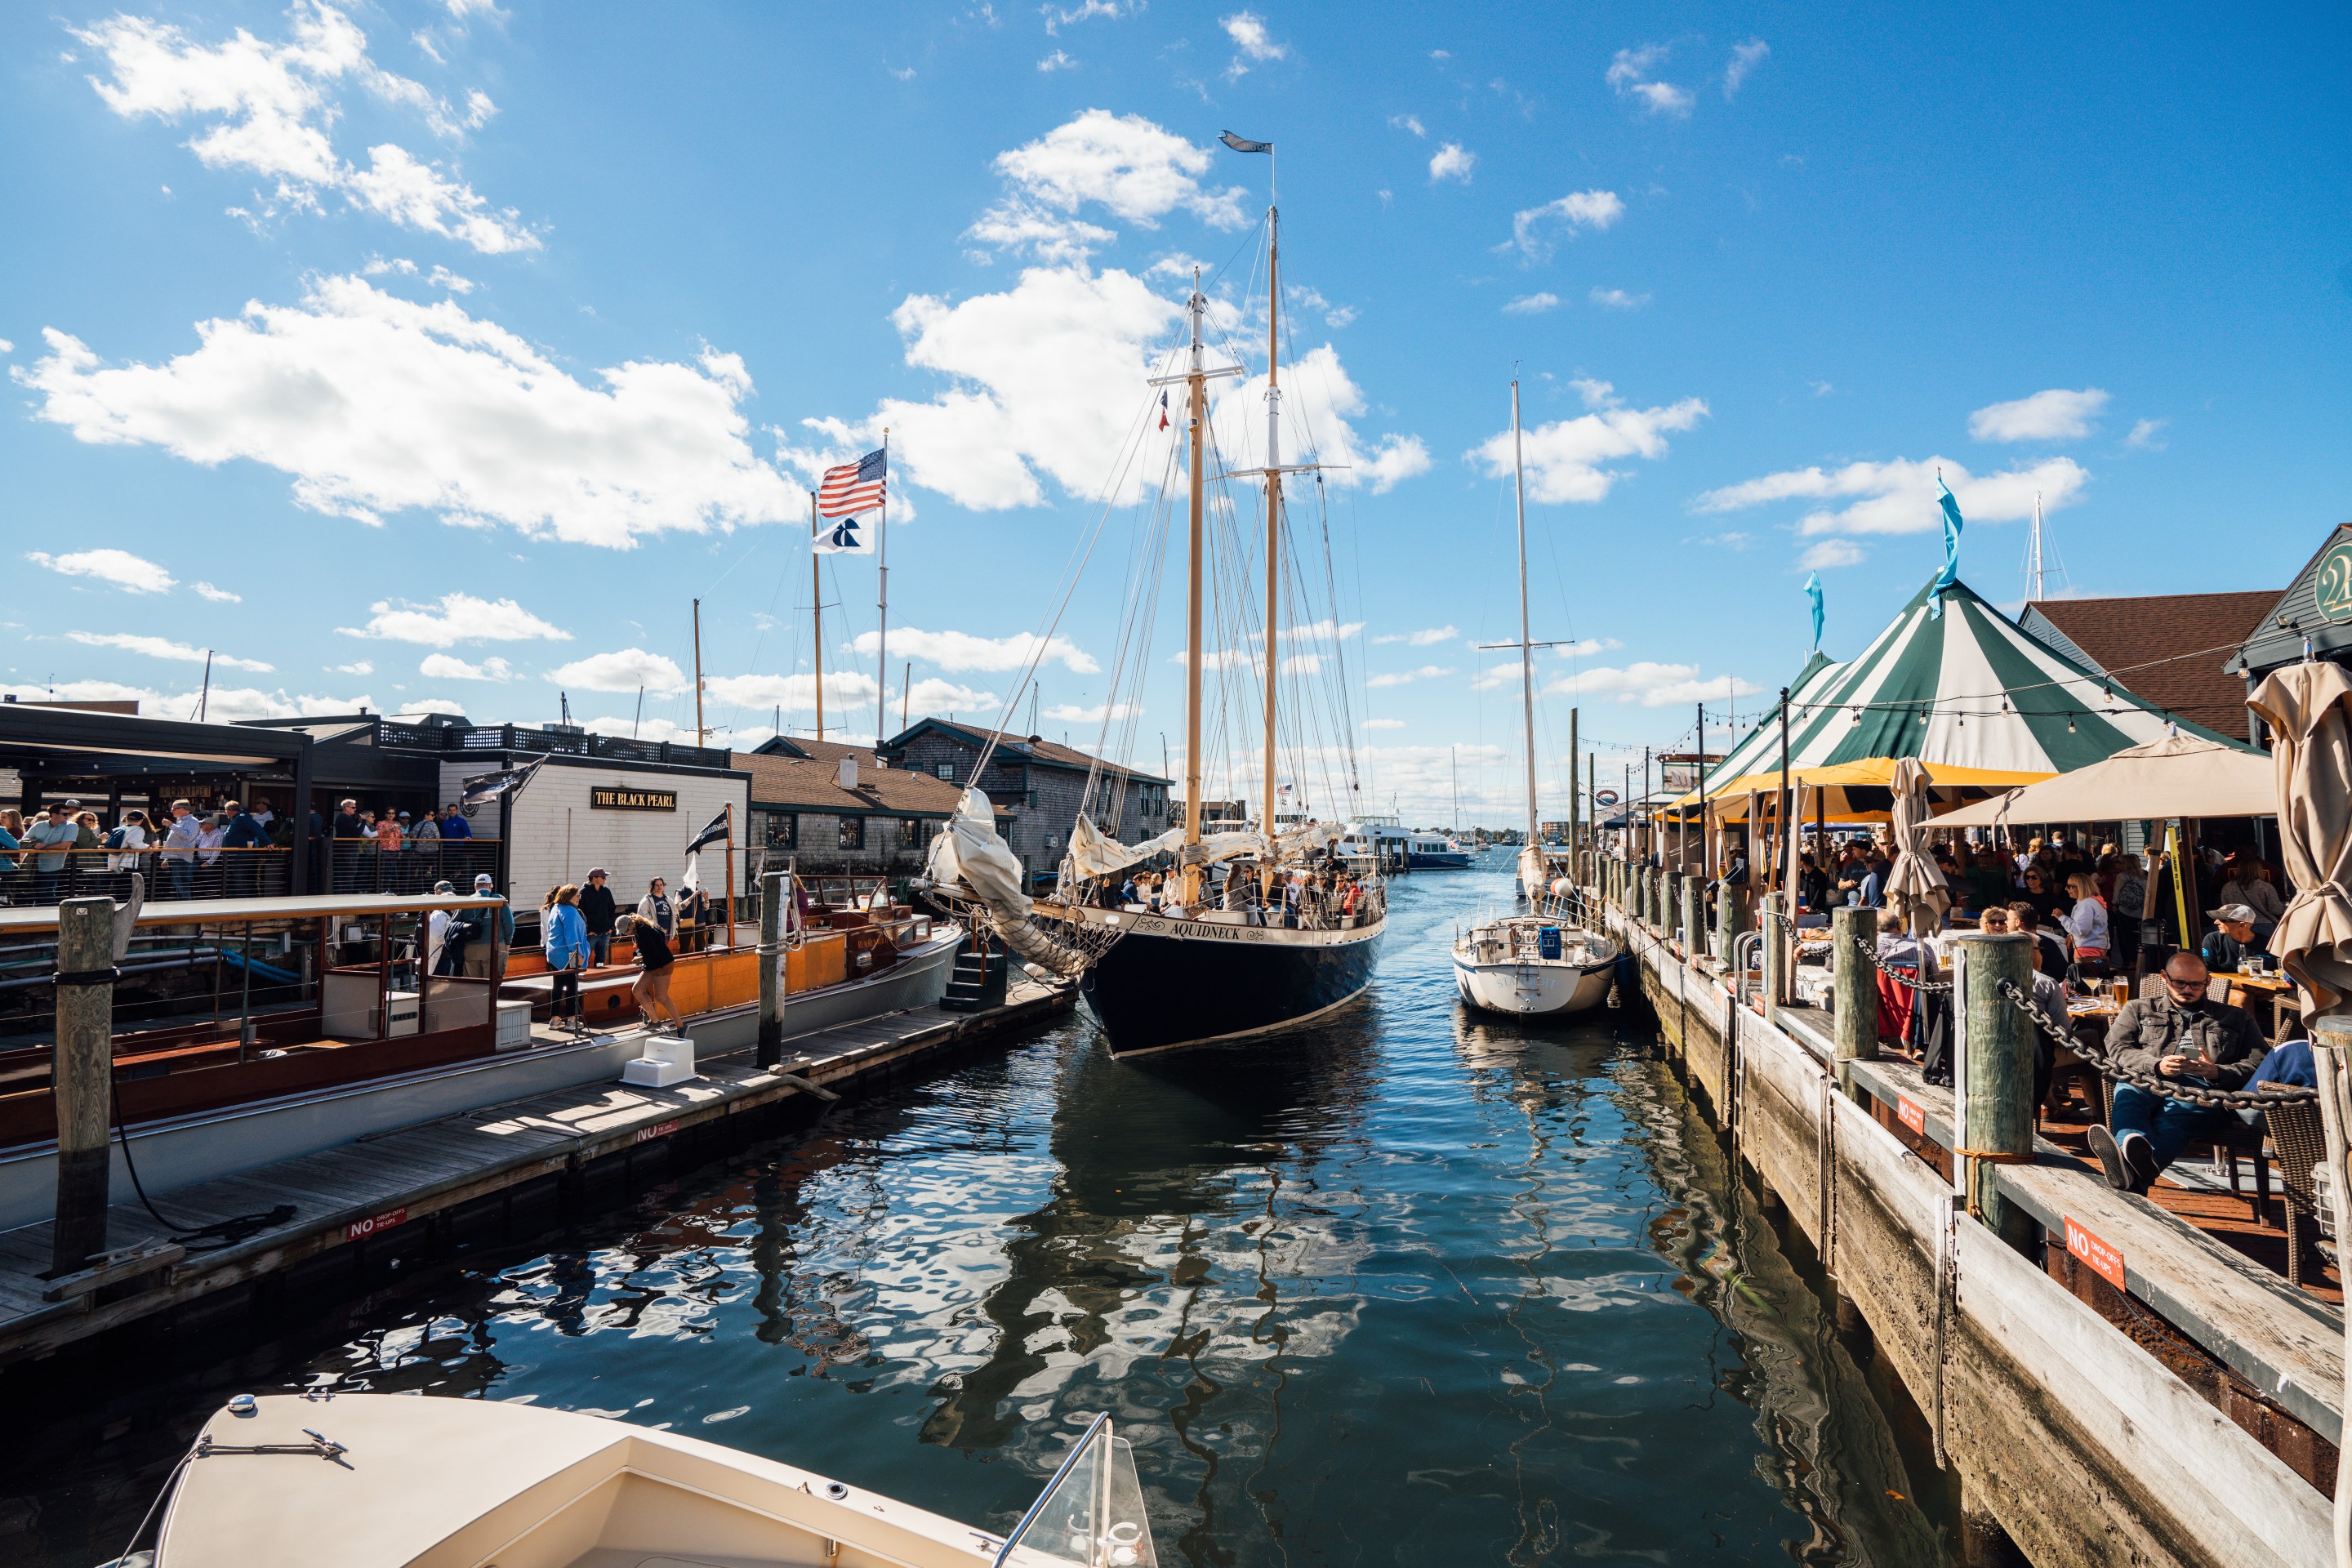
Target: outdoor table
x,y
2277,995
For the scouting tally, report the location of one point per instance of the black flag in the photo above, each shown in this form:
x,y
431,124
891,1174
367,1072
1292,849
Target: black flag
x,y
484,788
711,835
1243,144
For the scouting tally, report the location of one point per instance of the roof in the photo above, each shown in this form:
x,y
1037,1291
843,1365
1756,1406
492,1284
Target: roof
x,y
806,784
32,734
2278,635
811,747
2168,648
1027,748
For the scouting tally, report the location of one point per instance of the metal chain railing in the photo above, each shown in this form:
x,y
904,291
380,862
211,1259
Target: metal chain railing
x,y
2099,1057
1869,953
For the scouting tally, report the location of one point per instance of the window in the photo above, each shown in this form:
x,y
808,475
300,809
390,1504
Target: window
x,y
946,771
913,832
783,827
852,833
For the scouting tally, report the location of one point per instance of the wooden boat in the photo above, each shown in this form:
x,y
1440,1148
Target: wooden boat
x,y
340,1048
374,1480
1547,962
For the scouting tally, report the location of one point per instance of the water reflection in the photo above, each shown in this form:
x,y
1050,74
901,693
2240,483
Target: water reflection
x,y
1411,1285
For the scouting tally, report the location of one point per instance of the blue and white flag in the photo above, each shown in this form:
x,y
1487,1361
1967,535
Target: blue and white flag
x,y
1814,591
1951,573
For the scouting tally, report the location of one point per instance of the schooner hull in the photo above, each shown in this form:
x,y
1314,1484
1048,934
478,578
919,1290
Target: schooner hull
x,y
1169,982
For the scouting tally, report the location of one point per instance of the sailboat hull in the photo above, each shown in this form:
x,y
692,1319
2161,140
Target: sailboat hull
x,y
1169,982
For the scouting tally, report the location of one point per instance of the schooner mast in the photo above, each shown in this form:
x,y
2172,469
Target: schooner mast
x,y
1273,499
1526,646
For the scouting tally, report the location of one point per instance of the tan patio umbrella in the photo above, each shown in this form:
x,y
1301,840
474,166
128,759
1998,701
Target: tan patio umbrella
x,y
2309,709
1917,895
2179,775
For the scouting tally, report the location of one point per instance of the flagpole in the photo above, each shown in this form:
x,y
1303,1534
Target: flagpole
x,y
701,735
882,567
731,875
816,608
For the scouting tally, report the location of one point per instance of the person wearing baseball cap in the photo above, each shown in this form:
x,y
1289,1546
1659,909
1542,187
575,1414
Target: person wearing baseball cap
x,y
487,959
436,928
2234,938
599,909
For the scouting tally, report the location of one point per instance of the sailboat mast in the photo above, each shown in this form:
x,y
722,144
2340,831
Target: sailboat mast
x,y
816,608
882,567
1272,497
2033,554
1197,383
1526,646
701,735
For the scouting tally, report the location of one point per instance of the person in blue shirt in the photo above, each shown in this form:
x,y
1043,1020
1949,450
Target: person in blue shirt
x,y
563,940
245,835
454,823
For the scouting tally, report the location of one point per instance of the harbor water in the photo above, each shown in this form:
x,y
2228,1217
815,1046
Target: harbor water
x,y
1411,1286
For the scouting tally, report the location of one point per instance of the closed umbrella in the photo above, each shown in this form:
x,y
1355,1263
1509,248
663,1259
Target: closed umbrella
x,y
1915,893
2309,709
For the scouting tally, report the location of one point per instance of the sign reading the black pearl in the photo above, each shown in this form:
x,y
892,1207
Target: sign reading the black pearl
x,y
610,797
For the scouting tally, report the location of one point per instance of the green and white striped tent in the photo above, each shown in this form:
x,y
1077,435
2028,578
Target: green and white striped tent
x,y
1967,693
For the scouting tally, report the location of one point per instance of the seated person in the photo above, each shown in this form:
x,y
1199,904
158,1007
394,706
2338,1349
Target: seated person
x,y
2233,938
2180,1034
2050,953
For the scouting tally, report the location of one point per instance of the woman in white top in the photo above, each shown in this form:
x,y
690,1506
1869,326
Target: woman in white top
x,y
657,909
125,842
2088,923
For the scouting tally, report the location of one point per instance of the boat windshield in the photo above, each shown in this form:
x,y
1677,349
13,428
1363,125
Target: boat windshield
x,y
1090,1513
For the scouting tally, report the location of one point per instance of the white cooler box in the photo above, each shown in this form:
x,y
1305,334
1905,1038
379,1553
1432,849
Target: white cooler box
x,y
514,1027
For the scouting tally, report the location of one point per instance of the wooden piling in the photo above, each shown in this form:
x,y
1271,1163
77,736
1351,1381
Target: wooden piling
x,y
1730,917
1694,907
771,954
1855,978
1998,1037
82,1070
1775,964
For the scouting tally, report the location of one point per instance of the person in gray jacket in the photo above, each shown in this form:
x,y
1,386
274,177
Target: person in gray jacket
x,y
2184,1036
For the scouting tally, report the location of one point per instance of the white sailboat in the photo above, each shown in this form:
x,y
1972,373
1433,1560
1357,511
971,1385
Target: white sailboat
x,y
1544,962
378,1480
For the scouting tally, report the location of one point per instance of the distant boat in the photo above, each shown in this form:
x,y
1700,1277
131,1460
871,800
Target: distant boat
x,y
1435,852
1546,962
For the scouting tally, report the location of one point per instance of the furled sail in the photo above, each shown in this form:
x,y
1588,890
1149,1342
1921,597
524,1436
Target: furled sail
x,y
1093,853
971,852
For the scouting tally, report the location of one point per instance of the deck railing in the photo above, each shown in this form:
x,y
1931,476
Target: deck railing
x,y
450,740
38,876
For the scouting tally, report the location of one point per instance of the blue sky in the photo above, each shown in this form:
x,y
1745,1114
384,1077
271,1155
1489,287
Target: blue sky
x,y
440,354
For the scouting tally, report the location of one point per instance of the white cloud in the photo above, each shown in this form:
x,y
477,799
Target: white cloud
x,y
1820,388
1383,723
1651,685
442,277
447,667
1745,59
131,574
624,670
268,108
1318,397
224,705
1533,304
962,650
1564,460
1248,32
1899,496
358,667
1450,161
163,647
1428,636
2055,415
2144,433
1125,163
456,618
1057,60
218,595
376,404
1303,663
1588,647
1112,712
1629,75
1408,122
1324,631
847,694
1617,300
1534,229
1831,553
1060,17
1407,677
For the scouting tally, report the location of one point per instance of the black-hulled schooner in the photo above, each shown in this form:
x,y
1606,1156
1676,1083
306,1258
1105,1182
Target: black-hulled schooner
x,y
1251,929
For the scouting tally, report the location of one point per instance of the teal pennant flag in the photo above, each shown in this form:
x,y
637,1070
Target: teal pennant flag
x,y
1951,573
1814,591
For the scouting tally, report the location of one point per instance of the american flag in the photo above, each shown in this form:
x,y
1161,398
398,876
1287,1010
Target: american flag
x,y
854,487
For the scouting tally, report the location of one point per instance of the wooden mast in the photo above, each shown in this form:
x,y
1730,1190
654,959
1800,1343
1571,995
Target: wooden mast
x,y
1197,381
701,735
1527,645
1272,503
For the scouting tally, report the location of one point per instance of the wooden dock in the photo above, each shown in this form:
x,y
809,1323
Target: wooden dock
x,y
389,1193
2127,1388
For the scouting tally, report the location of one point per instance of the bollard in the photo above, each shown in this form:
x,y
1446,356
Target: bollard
x,y
1670,898
1855,1023
1998,1037
771,968
82,1075
1775,955
1693,906
1653,896
1728,920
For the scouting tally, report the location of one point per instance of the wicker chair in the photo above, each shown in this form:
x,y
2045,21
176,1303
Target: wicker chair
x,y
2302,1142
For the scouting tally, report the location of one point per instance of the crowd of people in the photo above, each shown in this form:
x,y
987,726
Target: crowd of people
x,y
579,922
1315,895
